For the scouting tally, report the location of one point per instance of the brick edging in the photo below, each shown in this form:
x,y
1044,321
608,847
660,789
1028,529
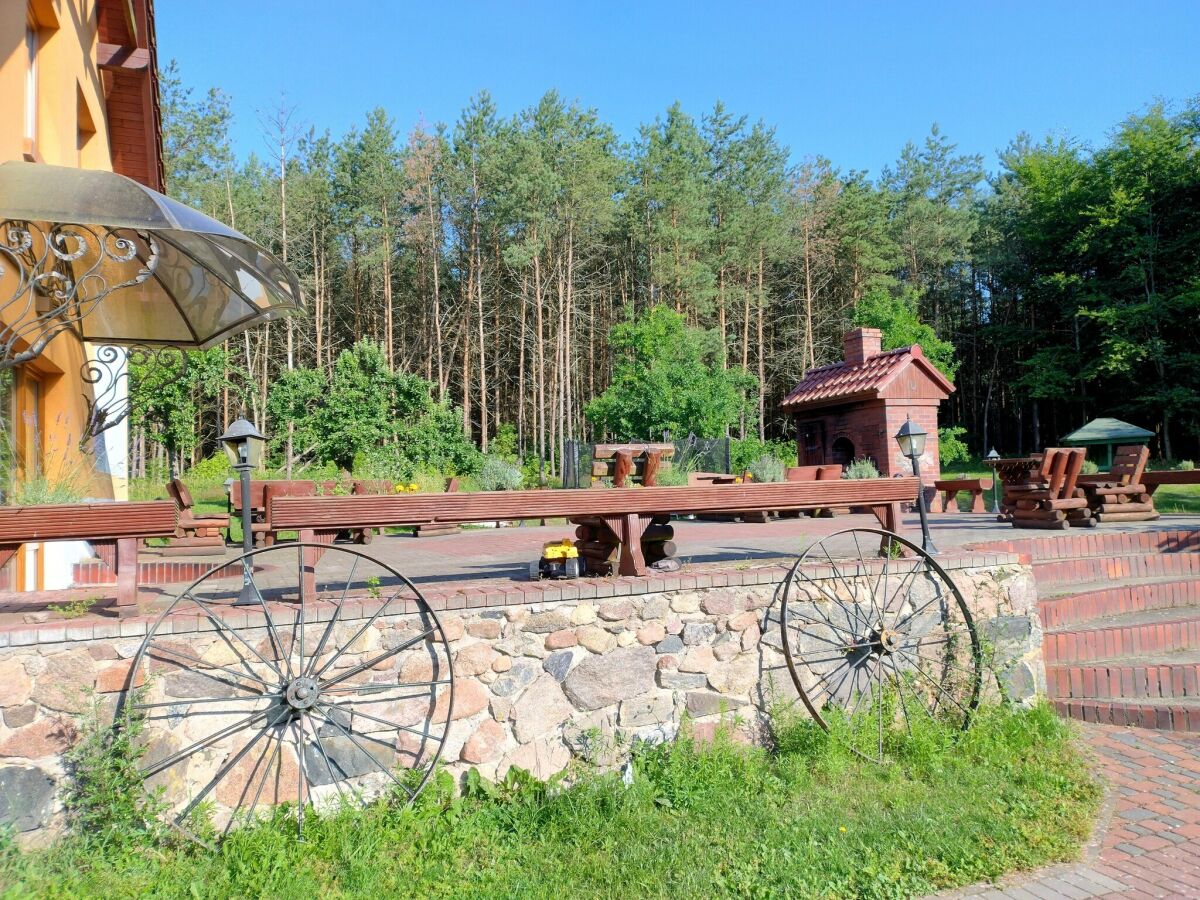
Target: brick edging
x,y
468,597
1096,544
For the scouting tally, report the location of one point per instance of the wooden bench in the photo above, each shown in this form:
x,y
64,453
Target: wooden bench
x,y
1055,499
949,489
632,463
1119,495
193,533
626,513
115,530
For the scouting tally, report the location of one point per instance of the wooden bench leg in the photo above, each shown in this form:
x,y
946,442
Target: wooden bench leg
x,y
978,505
120,555
628,529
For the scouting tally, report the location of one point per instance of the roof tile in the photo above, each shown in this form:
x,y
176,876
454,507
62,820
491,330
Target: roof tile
x,y
841,379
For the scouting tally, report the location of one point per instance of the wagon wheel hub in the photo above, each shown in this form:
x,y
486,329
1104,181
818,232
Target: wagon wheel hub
x,y
885,641
302,693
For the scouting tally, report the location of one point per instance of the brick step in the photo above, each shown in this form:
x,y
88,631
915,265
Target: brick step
x,y
1071,573
1165,675
1164,715
1087,603
1131,634
1161,539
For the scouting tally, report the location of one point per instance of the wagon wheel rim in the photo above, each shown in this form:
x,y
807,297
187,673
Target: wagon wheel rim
x,y
855,639
309,685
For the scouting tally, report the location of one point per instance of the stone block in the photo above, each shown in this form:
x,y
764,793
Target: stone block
x,y
678,681
15,683
616,610
486,743
651,634
540,709
707,703
558,664
516,680
548,621
672,643
595,638
698,633
653,709
607,679
26,798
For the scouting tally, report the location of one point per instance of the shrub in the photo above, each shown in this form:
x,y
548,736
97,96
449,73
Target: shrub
x,y
766,469
40,490
1090,467
214,468
744,452
672,476
861,468
1186,465
951,448
384,463
497,475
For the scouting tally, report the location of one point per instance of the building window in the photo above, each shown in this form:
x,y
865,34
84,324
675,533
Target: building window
x,y
31,80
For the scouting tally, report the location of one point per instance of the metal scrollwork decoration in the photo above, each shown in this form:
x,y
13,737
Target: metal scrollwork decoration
x,y
108,373
59,275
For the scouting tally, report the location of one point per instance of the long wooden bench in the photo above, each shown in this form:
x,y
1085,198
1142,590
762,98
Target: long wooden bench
x,y
626,512
113,529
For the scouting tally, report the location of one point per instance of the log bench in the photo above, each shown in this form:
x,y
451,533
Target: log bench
x,y
632,463
626,513
949,489
115,530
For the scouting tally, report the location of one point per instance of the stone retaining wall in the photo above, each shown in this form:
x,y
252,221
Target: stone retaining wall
x,y
536,681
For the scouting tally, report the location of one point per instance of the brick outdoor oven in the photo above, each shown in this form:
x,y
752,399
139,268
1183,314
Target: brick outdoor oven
x,y
852,409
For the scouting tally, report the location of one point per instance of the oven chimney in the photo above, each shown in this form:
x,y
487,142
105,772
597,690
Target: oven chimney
x,y
861,344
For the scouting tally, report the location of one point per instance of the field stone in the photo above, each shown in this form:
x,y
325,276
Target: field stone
x,y
720,603
558,664
672,643
561,639
656,608
595,638
345,760
26,798
190,684
685,603
679,681
742,621
698,633
626,639
651,634
488,629
583,614
604,680
736,677
616,610
474,660
727,646
545,622
64,685
540,709
649,710
707,703
486,742
500,708
19,716
15,684
698,659
501,663
47,737
521,676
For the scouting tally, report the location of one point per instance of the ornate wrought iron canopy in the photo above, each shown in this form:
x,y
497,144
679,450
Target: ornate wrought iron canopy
x,y
116,263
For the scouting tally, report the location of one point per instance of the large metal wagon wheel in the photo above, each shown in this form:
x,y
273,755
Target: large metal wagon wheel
x,y
299,673
871,624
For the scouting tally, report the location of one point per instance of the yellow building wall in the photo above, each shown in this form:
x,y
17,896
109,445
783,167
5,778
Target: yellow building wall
x,y
71,130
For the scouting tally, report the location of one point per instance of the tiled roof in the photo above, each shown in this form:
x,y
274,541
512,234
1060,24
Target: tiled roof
x,y
841,380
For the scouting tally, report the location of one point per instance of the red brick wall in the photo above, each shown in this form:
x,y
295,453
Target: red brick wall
x,y
871,426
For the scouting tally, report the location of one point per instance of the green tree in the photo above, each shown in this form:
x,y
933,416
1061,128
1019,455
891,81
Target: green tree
x,y
897,318
669,376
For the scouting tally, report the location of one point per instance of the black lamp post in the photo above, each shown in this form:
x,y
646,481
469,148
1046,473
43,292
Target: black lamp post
x,y
992,457
911,439
244,446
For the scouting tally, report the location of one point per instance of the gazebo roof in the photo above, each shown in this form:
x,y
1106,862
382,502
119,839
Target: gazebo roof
x,y
1107,431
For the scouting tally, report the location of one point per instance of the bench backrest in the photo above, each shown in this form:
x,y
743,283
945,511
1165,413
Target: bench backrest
x,y
179,493
87,521
1129,464
1060,470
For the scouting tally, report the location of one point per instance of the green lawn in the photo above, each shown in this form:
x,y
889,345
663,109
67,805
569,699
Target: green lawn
x,y
808,820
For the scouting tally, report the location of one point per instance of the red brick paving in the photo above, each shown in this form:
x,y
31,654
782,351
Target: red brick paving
x,y
1150,845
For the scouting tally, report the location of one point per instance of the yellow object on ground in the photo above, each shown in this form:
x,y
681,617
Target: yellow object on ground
x,y
563,549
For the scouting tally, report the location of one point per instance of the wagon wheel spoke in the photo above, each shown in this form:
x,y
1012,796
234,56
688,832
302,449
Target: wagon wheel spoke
x,y
291,716
908,639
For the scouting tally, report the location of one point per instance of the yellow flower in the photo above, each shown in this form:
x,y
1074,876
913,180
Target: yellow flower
x,y
413,487
842,829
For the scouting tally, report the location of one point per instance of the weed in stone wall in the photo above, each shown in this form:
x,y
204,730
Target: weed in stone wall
x,y
105,799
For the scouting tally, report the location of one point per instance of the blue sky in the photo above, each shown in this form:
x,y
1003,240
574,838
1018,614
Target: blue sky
x,y
852,81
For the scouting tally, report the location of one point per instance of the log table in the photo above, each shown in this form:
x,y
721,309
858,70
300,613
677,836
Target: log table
x,y
1018,475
